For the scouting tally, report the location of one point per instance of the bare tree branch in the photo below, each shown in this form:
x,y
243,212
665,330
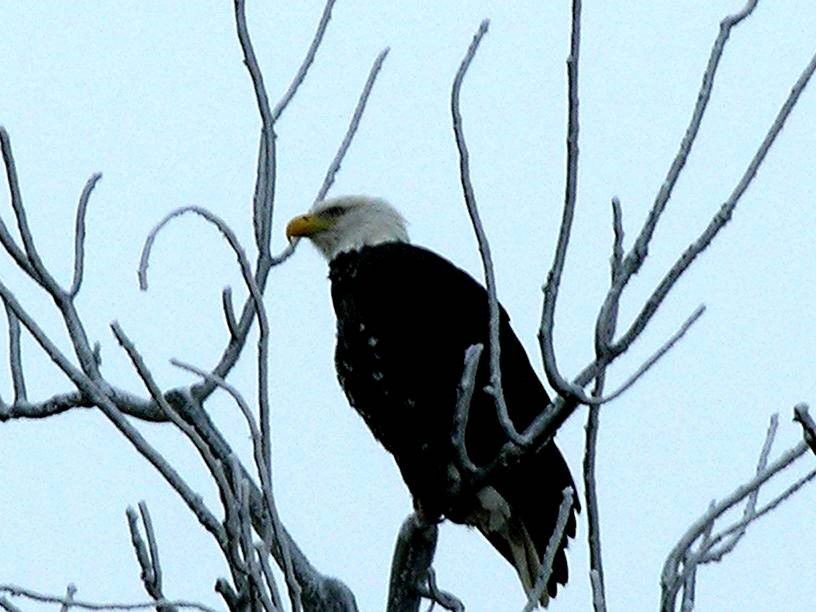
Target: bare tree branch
x,y
34,266
229,313
152,544
307,61
17,591
8,606
801,416
79,235
720,219
432,592
31,264
264,187
413,556
749,512
655,357
15,357
86,386
716,554
70,591
554,543
269,577
545,334
543,427
591,498
8,242
155,392
353,125
673,578
147,555
464,394
494,345
262,467
264,207
635,258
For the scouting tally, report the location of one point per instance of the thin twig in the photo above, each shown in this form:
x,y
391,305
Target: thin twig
x,y
464,394
229,312
655,357
307,61
413,555
37,269
801,416
717,554
750,504
79,234
142,555
553,545
591,497
14,191
353,125
617,248
264,207
720,219
635,258
17,591
437,596
152,544
15,357
87,387
261,464
70,591
671,578
8,606
494,343
269,577
546,331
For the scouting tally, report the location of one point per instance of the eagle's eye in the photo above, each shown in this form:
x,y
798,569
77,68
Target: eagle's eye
x,y
333,211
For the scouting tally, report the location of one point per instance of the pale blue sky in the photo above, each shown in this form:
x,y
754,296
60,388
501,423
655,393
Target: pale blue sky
x,y
154,95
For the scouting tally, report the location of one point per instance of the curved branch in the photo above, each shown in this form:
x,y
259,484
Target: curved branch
x,y
79,235
18,591
265,185
672,579
722,217
545,334
802,417
413,556
15,357
494,345
89,388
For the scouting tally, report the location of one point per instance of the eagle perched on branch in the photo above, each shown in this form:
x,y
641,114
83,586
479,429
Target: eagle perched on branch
x,y
405,317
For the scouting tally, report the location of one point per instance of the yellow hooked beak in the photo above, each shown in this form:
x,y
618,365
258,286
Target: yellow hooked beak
x,y
307,225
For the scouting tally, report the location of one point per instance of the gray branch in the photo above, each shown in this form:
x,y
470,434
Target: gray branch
x,y
79,234
334,167
543,578
413,556
18,591
545,334
15,357
801,416
494,345
682,561
70,591
307,61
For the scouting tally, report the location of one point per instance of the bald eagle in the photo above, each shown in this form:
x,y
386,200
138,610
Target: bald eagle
x,y
405,317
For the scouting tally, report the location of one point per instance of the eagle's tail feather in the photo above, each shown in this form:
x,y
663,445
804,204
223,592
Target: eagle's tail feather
x,y
508,534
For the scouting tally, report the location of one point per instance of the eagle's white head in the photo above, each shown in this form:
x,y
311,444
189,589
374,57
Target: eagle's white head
x,y
347,223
